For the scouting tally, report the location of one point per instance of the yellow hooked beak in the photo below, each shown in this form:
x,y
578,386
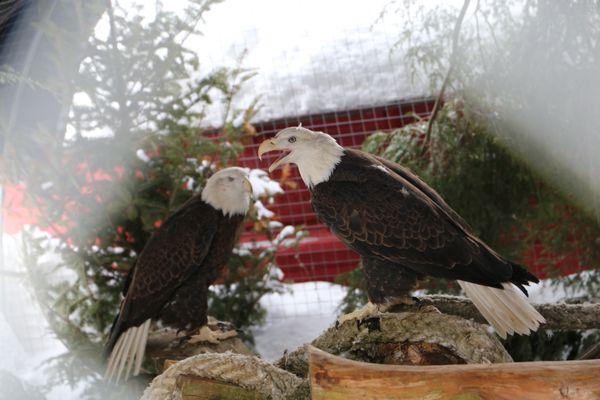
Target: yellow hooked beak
x,y
247,186
265,147
270,145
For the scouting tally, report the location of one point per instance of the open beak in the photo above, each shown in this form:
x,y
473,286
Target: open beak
x,y
247,186
270,145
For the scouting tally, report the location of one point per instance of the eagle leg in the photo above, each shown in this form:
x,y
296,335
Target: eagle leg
x,y
407,304
205,334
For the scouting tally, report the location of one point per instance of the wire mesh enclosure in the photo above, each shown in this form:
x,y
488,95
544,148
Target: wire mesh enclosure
x,y
115,113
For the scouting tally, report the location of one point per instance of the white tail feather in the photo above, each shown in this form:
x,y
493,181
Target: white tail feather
x,y
128,353
141,348
508,310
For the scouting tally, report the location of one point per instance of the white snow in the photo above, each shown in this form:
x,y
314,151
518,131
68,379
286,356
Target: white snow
x,y
205,164
46,185
297,316
275,273
272,225
262,211
262,184
188,182
141,154
115,250
548,291
306,61
287,231
242,251
311,62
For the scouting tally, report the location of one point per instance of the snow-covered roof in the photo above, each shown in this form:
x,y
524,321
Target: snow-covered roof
x,y
311,56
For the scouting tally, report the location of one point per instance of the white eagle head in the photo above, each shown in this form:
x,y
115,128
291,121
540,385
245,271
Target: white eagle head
x,y
228,190
315,153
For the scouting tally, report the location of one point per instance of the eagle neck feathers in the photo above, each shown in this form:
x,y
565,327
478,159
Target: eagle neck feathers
x,y
227,204
318,166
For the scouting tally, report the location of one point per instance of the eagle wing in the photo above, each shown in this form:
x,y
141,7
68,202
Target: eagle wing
x,y
426,189
381,213
169,257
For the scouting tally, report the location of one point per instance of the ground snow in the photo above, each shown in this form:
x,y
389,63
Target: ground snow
x,y
297,316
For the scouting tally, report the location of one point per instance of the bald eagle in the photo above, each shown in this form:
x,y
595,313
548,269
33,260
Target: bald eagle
x,y
177,265
403,231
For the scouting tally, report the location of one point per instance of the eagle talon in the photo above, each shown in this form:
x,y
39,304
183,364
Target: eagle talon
x,y
205,334
368,311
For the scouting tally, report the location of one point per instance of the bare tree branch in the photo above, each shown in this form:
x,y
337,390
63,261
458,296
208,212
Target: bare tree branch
x,y
453,55
558,316
591,353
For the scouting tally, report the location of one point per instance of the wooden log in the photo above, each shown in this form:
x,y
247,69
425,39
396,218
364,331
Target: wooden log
x,y
223,372
191,387
166,346
333,378
420,338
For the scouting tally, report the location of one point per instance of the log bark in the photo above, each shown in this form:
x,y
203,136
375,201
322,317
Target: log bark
x,y
254,377
334,378
421,338
191,387
166,347
560,316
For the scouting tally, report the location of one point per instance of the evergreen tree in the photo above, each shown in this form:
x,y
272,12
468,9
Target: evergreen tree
x,y
139,143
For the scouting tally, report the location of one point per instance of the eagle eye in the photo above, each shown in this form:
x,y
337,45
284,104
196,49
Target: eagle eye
x,y
230,179
292,139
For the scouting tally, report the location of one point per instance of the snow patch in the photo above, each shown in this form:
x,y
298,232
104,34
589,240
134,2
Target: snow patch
x,y
46,185
204,164
262,211
262,184
141,154
188,182
287,231
297,315
272,225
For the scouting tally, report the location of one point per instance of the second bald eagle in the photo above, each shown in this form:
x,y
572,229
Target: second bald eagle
x,y
403,230
177,265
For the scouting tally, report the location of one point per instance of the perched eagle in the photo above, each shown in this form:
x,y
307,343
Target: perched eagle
x,y
403,230
179,262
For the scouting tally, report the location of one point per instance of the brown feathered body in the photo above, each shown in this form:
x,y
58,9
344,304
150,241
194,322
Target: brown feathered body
x,y
179,262
404,230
